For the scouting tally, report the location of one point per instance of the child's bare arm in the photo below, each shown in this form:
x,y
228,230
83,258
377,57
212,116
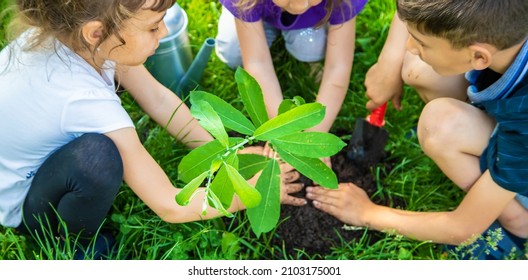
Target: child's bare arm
x,y
257,61
149,182
163,106
383,81
482,205
337,69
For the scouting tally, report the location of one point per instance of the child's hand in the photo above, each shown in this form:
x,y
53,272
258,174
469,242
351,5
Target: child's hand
x,y
348,202
383,84
288,177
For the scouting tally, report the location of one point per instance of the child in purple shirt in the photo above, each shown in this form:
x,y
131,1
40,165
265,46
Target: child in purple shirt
x,y
312,30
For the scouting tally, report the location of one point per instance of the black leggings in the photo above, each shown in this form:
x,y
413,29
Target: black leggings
x,y
77,184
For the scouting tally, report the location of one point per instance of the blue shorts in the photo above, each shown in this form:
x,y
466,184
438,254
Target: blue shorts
x,y
523,200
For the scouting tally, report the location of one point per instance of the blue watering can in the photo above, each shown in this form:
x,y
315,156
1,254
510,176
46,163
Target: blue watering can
x,y
172,64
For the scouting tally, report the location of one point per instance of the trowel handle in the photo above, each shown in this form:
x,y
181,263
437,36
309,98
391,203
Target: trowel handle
x,y
377,116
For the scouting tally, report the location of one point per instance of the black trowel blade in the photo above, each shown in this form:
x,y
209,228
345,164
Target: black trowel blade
x,y
367,144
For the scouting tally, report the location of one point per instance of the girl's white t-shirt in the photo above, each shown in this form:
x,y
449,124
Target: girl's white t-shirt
x,y
48,97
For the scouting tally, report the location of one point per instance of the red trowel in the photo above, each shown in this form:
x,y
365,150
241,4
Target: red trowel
x,y
367,145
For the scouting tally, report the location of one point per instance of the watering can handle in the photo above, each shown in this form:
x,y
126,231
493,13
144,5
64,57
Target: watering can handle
x,y
377,116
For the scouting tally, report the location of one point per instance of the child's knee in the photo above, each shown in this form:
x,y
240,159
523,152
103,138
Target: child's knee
x,y
228,52
227,47
98,155
306,45
515,217
436,124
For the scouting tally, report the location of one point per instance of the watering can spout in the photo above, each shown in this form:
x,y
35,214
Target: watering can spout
x,y
172,63
189,81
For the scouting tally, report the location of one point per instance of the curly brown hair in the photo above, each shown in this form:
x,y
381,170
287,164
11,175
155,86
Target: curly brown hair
x,y
65,18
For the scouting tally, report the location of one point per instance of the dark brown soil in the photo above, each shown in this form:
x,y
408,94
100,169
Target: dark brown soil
x,y
307,231
312,231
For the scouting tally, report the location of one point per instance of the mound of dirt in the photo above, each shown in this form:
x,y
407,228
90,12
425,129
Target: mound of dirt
x,y
315,232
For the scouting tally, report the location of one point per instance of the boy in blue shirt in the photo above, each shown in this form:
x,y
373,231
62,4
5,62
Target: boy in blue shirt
x,y
482,146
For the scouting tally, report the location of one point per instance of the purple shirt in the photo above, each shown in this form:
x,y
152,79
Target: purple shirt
x,y
267,11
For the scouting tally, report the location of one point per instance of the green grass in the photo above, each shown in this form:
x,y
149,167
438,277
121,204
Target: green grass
x,y
142,235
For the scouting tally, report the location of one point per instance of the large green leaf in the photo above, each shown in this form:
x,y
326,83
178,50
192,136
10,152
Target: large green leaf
x,y
265,216
250,164
247,194
312,168
209,119
251,95
184,196
222,187
230,116
310,144
199,160
297,119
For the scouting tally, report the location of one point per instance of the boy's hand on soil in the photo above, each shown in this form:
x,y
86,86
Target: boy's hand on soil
x,y
348,203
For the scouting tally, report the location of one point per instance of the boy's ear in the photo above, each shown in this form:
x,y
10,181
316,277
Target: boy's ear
x,y
92,32
481,56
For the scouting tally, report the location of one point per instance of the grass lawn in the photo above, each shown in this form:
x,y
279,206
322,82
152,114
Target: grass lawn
x,y
142,235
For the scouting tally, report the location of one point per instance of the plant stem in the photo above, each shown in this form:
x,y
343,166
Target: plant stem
x,y
237,146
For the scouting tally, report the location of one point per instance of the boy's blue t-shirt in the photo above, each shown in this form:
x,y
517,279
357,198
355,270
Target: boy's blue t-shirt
x,y
270,13
505,98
